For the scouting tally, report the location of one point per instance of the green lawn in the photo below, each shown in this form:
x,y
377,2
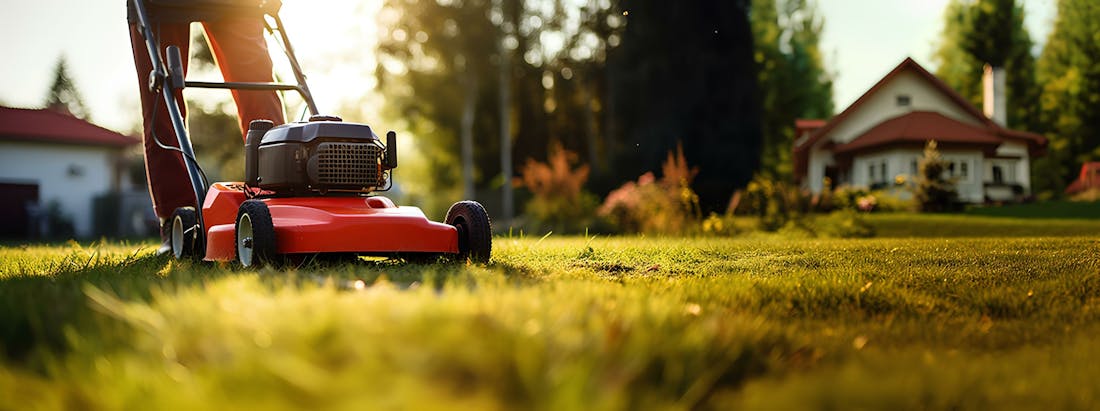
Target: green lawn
x,y
938,312
1046,209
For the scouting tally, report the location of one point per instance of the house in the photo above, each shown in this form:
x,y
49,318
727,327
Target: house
x,y
53,165
877,142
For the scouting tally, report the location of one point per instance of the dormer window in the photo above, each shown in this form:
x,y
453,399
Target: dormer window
x,y
904,100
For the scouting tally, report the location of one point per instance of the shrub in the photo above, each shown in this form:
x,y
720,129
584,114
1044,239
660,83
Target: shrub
x,y
719,225
851,198
558,195
665,206
774,202
887,201
933,192
844,223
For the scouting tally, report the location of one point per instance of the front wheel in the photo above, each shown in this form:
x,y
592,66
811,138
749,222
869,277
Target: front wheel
x,y
255,234
475,233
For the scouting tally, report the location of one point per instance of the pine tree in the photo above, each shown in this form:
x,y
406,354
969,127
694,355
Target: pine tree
x,y
991,32
685,72
934,192
63,95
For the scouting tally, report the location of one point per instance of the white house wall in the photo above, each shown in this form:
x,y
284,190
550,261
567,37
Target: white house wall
x,y
897,164
1021,171
819,159
900,163
49,165
970,187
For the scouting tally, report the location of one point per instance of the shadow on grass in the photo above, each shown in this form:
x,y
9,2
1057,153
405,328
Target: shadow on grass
x,y
40,302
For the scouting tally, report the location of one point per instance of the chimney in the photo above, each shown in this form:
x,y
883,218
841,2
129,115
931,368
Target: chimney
x,y
993,95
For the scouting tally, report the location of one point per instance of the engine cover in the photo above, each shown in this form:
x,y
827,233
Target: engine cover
x,y
317,158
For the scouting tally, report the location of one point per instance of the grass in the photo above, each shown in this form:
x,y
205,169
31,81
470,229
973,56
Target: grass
x,y
923,317
1046,209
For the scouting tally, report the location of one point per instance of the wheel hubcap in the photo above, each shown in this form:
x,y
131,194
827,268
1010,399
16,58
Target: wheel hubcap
x,y
244,241
177,237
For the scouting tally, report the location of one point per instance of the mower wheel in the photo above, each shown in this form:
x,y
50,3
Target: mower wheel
x,y
255,234
475,233
183,235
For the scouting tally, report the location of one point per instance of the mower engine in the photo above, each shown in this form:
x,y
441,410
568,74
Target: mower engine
x,y
325,155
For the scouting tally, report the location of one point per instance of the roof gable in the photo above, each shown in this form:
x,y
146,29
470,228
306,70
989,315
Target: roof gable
x,y
52,127
907,66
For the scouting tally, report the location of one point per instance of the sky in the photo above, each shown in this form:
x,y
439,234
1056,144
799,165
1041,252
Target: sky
x,y
862,40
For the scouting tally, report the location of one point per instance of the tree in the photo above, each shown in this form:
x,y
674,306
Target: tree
x,y
685,71
934,192
1069,70
980,32
63,95
436,69
786,34
531,92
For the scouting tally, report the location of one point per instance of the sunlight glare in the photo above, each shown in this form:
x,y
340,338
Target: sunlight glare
x,y
334,41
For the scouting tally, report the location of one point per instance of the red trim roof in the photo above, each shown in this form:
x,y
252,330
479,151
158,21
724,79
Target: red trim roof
x,y
805,123
919,127
52,127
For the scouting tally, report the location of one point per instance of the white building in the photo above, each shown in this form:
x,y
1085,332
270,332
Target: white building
x,y
49,157
878,140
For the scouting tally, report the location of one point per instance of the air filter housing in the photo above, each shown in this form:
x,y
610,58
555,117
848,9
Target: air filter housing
x,y
318,157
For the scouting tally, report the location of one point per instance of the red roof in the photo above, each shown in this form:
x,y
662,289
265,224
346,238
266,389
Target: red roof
x,y
52,127
919,127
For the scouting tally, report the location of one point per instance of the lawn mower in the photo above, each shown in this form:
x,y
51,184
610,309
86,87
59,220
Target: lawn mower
x,y
310,186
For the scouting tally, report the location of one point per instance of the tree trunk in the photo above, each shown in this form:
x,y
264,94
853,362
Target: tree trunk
x,y
469,108
506,196
591,132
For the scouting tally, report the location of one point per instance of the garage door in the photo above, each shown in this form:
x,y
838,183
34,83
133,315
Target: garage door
x,y
15,222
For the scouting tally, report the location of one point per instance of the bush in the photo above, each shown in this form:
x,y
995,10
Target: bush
x,y
665,206
558,196
719,225
934,192
850,198
844,223
774,202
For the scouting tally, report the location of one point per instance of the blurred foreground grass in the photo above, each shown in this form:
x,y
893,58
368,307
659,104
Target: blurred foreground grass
x,y
1000,320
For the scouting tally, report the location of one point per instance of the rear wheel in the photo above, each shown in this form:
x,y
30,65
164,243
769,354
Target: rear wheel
x,y
255,234
184,234
475,233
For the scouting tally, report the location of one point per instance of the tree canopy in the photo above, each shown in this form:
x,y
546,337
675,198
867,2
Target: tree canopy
x,y
980,32
1069,71
63,96
793,80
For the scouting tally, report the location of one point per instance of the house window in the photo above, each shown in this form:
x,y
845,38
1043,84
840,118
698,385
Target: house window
x,y
882,174
963,170
870,173
998,175
904,100
913,167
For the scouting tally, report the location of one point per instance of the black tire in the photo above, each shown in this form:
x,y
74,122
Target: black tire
x,y
183,234
255,235
475,233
